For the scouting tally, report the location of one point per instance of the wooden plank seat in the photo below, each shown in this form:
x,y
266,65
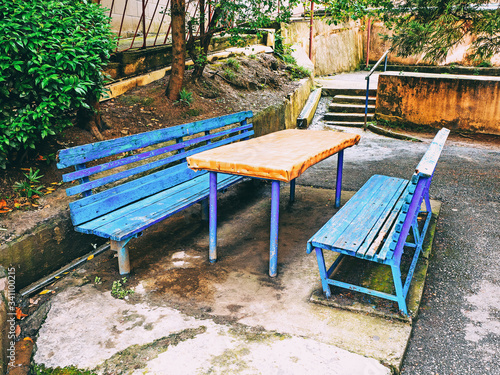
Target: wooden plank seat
x,y
147,179
375,225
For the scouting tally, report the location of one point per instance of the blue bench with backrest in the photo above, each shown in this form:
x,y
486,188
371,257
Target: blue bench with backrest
x,y
375,224
130,183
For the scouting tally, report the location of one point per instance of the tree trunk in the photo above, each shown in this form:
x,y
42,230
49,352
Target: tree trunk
x,y
199,55
91,120
178,9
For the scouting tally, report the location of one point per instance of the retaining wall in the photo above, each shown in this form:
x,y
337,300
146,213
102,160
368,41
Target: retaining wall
x,y
470,103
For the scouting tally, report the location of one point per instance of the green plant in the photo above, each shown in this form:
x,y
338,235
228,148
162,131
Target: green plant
x,y
229,74
28,188
185,98
233,63
51,56
71,370
298,72
118,291
97,280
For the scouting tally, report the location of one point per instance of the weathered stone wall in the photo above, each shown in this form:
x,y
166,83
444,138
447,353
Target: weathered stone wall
x,y
335,48
470,103
378,46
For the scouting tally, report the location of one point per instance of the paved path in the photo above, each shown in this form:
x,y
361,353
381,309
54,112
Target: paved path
x,y
354,80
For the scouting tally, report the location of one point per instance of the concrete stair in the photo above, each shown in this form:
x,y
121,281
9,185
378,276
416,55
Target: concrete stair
x,y
348,108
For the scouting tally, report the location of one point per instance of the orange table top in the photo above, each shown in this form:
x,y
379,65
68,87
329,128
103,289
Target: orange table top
x,y
282,156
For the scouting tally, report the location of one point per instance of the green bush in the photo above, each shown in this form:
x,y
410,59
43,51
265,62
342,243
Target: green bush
x,y
51,56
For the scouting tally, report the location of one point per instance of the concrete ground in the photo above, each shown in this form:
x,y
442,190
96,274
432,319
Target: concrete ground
x,y
189,316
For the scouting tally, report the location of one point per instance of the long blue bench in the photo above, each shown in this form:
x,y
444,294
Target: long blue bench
x,y
375,224
142,179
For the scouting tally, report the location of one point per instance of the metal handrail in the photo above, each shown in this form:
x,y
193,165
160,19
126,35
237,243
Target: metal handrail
x,y
384,56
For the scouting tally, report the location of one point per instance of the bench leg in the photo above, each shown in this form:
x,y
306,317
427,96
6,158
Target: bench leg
x,y
292,191
401,297
123,259
275,217
212,253
322,272
204,210
338,188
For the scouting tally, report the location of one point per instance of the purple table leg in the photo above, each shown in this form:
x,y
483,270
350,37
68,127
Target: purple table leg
x,y
275,214
212,253
338,188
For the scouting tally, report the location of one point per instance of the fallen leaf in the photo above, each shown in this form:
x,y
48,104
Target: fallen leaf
x,y
90,257
17,204
35,196
4,211
18,330
35,205
40,157
45,291
51,189
19,314
54,183
25,169
3,203
28,339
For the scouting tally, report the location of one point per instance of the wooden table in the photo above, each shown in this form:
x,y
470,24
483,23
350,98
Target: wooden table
x,y
280,157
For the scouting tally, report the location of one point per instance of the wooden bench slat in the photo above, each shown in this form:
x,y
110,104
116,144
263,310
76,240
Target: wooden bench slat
x,y
429,160
380,229
148,154
374,208
138,216
334,228
146,167
99,204
98,150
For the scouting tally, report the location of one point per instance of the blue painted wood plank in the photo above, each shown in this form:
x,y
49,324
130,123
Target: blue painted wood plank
x,y
83,154
381,227
99,204
148,154
132,219
333,229
146,167
428,163
377,206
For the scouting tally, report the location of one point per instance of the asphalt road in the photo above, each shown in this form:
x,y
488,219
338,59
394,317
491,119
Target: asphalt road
x,y
458,327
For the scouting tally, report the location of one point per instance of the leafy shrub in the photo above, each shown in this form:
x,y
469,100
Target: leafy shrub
x,y
51,55
233,63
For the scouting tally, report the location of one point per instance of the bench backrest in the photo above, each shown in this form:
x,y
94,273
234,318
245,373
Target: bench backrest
x,y
412,198
161,153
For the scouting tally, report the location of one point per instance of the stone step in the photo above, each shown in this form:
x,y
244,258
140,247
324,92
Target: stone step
x,y
349,117
355,124
355,92
350,108
355,99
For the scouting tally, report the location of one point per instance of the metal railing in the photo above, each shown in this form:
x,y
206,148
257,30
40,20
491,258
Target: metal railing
x,y
384,56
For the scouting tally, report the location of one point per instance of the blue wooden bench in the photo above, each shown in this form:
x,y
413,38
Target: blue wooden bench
x,y
147,178
375,224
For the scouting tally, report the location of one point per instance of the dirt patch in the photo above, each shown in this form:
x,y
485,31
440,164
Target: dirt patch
x,y
230,85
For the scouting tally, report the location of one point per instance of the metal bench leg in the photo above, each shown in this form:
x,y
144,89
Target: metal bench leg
x,y
212,253
123,259
338,188
292,191
396,275
322,272
204,210
275,215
